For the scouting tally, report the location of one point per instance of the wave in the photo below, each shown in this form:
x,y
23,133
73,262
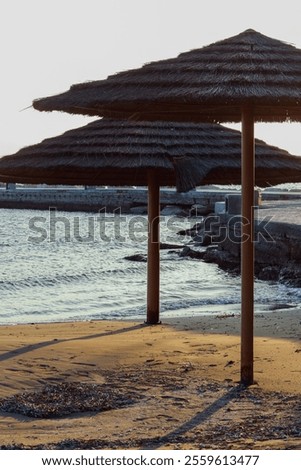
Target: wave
x,y
57,279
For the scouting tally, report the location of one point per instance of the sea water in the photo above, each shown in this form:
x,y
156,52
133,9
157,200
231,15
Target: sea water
x,y
63,266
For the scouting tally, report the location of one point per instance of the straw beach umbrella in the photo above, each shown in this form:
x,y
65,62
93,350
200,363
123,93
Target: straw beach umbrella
x,y
114,152
249,77
211,84
122,153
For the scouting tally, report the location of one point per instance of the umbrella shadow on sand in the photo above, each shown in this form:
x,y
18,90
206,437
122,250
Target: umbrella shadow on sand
x,y
201,417
33,347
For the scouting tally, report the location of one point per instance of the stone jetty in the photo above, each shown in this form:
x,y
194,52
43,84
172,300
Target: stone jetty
x,y
128,200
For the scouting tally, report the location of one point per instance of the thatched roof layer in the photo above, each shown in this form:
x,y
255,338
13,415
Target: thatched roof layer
x,y
113,152
249,69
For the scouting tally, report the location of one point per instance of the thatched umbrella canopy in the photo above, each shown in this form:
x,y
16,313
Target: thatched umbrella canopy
x,y
210,84
112,152
249,77
121,153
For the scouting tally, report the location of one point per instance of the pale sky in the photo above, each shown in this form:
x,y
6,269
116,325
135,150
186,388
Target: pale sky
x,y
48,45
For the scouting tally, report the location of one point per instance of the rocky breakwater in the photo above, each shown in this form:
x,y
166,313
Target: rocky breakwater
x,y
276,240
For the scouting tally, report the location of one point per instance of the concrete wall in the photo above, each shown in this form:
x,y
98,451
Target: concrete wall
x,y
126,199
96,199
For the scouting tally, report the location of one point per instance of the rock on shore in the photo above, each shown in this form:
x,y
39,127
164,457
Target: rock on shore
x,y
277,248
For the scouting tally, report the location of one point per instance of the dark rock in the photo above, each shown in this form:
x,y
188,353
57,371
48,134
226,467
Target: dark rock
x,y
182,232
188,252
223,259
295,250
291,275
231,246
281,306
193,231
203,238
271,253
170,246
269,273
137,257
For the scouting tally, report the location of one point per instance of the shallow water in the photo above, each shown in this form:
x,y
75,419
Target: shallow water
x,y
70,266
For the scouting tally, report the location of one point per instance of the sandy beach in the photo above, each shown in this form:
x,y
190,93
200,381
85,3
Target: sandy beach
x,y
123,384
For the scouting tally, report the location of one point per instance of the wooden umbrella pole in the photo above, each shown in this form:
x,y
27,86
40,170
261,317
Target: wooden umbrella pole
x,y
247,247
153,256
